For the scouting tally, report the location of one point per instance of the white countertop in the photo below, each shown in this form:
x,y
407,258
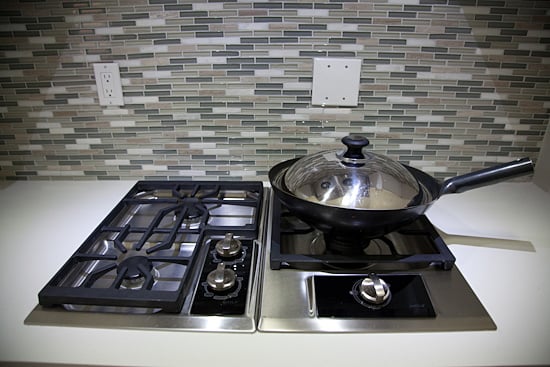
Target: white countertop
x,y
42,224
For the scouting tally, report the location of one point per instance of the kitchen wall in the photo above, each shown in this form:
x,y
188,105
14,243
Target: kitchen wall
x,y
219,89
542,173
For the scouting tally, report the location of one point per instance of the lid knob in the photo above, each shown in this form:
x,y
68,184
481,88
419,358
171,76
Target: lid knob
x,y
355,145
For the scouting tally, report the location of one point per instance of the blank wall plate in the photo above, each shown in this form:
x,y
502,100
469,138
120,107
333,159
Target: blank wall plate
x,y
109,87
335,81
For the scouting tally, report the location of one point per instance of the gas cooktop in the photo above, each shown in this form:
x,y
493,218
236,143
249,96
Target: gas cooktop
x,y
228,256
179,251
405,281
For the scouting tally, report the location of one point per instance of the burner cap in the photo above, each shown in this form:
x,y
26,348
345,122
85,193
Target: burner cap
x,y
192,207
135,267
193,212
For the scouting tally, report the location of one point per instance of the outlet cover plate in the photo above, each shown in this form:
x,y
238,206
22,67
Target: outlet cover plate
x,y
109,87
335,81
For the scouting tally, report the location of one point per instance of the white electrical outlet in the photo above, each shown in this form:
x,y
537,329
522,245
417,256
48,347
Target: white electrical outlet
x,y
335,81
109,87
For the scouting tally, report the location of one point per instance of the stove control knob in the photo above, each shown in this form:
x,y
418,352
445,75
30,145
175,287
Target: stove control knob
x,y
221,279
229,246
374,290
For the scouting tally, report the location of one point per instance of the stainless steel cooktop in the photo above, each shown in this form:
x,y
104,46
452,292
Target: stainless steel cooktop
x,y
312,291
177,255
228,256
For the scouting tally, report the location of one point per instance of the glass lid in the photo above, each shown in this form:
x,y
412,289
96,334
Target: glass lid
x,y
353,178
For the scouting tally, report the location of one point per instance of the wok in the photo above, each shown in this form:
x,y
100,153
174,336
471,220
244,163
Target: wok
x,y
373,223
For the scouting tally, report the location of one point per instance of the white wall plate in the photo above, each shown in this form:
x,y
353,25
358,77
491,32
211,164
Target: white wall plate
x,y
109,86
336,81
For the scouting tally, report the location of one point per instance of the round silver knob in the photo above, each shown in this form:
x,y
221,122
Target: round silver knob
x,y
221,278
374,290
229,246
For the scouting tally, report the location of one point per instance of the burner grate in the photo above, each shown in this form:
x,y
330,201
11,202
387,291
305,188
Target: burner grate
x,y
295,244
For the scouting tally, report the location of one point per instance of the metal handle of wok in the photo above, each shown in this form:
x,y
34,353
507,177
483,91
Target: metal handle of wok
x,y
487,176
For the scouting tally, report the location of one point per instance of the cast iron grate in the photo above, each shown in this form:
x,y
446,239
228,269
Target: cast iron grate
x,y
414,245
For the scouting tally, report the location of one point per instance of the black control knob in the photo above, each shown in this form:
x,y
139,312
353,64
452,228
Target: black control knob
x,y
221,279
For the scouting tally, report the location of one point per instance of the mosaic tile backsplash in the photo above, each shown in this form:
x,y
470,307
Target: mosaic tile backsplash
x,y
222,89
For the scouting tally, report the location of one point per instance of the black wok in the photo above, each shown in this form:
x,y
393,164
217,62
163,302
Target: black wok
x,y
372,223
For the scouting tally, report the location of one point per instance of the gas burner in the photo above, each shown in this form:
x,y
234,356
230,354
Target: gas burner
x,y
194,212
192,216
344,244
380,246
192,208
136,272
354,244
314,242
135,267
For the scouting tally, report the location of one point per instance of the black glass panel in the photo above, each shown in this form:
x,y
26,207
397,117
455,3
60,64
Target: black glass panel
x,y
232,301
337,296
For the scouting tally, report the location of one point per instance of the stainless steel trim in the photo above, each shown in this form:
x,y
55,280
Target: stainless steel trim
x,y
311,305
174,322
256,277
286,308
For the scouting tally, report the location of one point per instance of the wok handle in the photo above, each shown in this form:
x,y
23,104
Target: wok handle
x,y
487,176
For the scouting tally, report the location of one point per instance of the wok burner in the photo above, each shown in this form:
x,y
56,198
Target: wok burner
x,y
404,281
355,245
